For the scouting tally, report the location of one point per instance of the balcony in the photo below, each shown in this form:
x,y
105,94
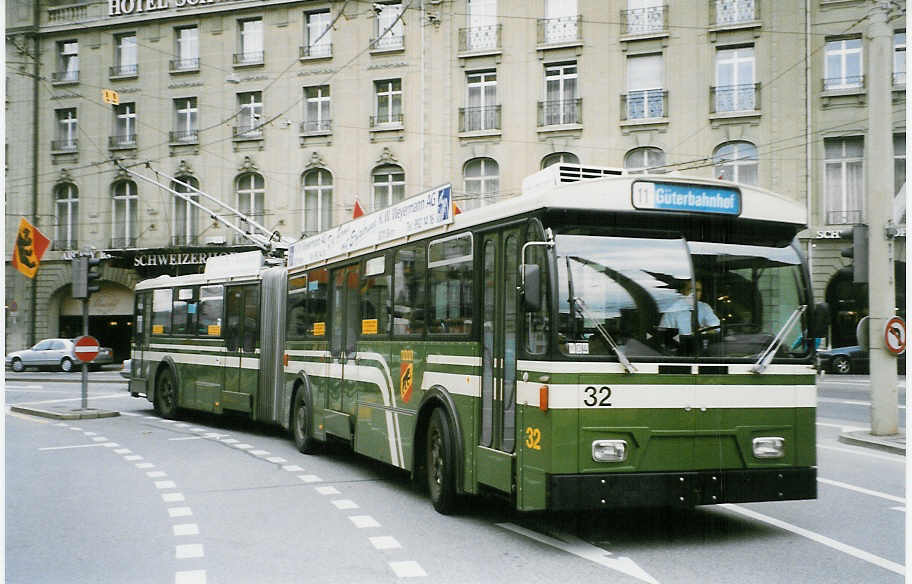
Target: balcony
x,y
184,65
563,31
315,127
122,142
65,145
124,71
647,104
63,77
848,217
390,122
388,42
730,99
733,13
561,112
849,83
318,51
179,240
183,137
479,119
239,133
123,242
480,39
249,59
649,21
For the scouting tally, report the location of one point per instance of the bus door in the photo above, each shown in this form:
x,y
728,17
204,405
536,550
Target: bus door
x,y
241,371
343,337
141,318
499,298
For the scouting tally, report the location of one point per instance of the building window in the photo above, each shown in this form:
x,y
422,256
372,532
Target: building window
x,y
648,159
124,125
645,94
251,197
734,11
561,105
561,22
389,186
644,17
250,42
318,200
735,89
67,130
899,58
185,120
317,110
737,162
125,212
843,65
388,101
482,182
482,30
67,62
317,35
250,112
66,218
186,214
482,111
125,55
186,49
844,179
559,158
899,162
388,30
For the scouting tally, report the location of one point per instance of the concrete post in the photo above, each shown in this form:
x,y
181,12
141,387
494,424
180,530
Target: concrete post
x,y
879,204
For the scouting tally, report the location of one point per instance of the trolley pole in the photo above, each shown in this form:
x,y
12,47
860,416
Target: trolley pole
x,y
879,204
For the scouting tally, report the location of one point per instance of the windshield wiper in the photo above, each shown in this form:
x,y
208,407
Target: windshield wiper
x,y
767,355
628,367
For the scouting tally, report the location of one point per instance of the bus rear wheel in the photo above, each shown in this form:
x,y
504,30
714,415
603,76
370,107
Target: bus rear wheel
x,y
301,423
440,460
166,395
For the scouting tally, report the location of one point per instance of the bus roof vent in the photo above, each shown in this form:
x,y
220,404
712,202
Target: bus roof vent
x,y
565,173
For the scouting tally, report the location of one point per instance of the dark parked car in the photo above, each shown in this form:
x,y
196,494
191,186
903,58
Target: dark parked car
x,y
55,354
852,359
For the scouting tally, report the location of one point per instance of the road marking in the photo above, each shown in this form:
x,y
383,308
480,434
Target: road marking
x,y
35,419
327,490
578,547
173,497
186,438
190,577
23,387
156,474
310,478
179,511
363,521
902,509
133,457
345,504
165,484
385,542
100,439
259,452
188,550
132,414
849,402
185,529
74,399
230,441
91,433
842,427
407,569
866,452
276,459
292,468
822,539
893,498
145,465
110,444
858,382
243,446
69,447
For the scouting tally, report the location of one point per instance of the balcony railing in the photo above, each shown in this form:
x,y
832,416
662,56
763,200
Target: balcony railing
x,y
899,79
66,145
65,77
388,42
644,104
732,12
476,119
124,70
844,83
316,127
123,242
390,120
649,20
560,112
566,29
122,141
183,136
852,217
177,240
480,38
247,133
184,65
315,51
734,98
249,58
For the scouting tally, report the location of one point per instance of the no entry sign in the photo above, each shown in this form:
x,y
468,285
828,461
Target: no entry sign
x,y
86,348
895,335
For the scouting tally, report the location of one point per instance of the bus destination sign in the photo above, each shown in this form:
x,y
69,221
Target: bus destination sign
x,y
428,210
692,198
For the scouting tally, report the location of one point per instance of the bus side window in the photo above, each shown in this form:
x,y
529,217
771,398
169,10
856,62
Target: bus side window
x,y
296,318
375,298
316,313
536,321
209,317
161,311
183,311
408,304
451,281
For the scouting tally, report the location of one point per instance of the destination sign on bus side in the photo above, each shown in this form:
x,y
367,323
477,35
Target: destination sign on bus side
x,y
692,198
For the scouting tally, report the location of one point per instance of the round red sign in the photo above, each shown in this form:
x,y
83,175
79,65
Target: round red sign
x,y
895,335
86,348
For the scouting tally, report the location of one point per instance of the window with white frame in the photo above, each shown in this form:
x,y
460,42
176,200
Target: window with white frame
x,y
318,33
481,101
645,83
125,123
388,101
250,41
844,179
482,25
125,54
735,89
67,61
186,48
645,16
388,29
251,199
843,69
737,162
899,162
67,129
318,200
185,119
66,216
125,212
186,214
561,23
559,158
250,113
646,159
389,186
317,110
561,95
734,11
481,178
899,58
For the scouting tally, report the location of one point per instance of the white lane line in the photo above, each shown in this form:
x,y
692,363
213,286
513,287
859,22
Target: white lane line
x,y
345,504
110,444
165,484
327,490
578,547
123,451
292,468
144,465
259,452
821,539
849,402
99,439
407,569
180,511
276,459
69,447
385,542
190,577
243,446
188,550
863,490
173,497
310,478
91,433
230,441
363,521
185,529
156,474
133,457
11,387
867,453
186,438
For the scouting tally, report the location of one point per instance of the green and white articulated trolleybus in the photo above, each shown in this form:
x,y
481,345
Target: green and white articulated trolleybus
x,y
601,340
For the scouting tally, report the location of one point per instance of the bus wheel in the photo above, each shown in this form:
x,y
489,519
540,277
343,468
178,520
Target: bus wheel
x,y
301,424
441,473
166,395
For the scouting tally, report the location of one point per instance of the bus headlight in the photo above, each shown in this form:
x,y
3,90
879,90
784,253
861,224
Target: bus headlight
x,y
769,447
609,450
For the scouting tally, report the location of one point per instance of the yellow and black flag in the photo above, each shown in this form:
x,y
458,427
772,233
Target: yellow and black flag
x,y
28,249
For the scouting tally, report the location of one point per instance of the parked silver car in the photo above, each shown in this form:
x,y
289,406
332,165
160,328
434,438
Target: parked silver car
x,y
56,354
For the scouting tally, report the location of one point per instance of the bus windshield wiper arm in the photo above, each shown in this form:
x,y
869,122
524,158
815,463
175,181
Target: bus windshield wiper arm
x,y
628,366
767,355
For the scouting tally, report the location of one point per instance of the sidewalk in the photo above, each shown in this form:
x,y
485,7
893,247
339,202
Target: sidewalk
x,y
65,412
103,376
895,443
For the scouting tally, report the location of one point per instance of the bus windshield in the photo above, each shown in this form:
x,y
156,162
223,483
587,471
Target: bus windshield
x,y
651,298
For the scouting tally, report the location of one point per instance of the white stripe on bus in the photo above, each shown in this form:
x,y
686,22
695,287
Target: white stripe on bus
x,y
653,368
454,360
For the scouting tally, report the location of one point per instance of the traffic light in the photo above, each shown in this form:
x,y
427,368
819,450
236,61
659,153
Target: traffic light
x,y
858,252
93,275
86,273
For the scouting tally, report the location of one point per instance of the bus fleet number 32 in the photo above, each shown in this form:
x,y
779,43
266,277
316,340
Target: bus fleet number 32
x,y
597,396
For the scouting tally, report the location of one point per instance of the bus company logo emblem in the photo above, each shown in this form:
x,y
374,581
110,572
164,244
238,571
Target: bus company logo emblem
x,y
406,375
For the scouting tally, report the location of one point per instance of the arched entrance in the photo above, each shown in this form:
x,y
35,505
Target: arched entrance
x,y
849,303
110,318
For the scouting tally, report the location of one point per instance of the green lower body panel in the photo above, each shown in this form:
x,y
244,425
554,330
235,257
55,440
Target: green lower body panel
x,y
232,400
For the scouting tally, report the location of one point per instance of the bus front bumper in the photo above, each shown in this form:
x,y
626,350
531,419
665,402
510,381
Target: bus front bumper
x,y
679,489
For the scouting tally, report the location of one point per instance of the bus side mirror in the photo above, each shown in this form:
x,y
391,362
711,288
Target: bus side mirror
x,y
531,290
821,321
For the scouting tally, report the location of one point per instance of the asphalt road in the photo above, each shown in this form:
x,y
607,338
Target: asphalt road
x,y
213,500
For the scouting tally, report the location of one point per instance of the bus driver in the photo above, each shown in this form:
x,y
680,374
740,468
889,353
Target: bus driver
x,y
678,315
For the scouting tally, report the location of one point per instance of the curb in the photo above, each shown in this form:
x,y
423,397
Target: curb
x,y
64,380
895,443
61,414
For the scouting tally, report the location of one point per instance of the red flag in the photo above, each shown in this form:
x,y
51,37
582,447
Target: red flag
x,y
358,210
28,249
456,209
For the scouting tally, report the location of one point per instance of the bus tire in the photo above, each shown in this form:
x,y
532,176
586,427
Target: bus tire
x,y
166,395
440,461
302,423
